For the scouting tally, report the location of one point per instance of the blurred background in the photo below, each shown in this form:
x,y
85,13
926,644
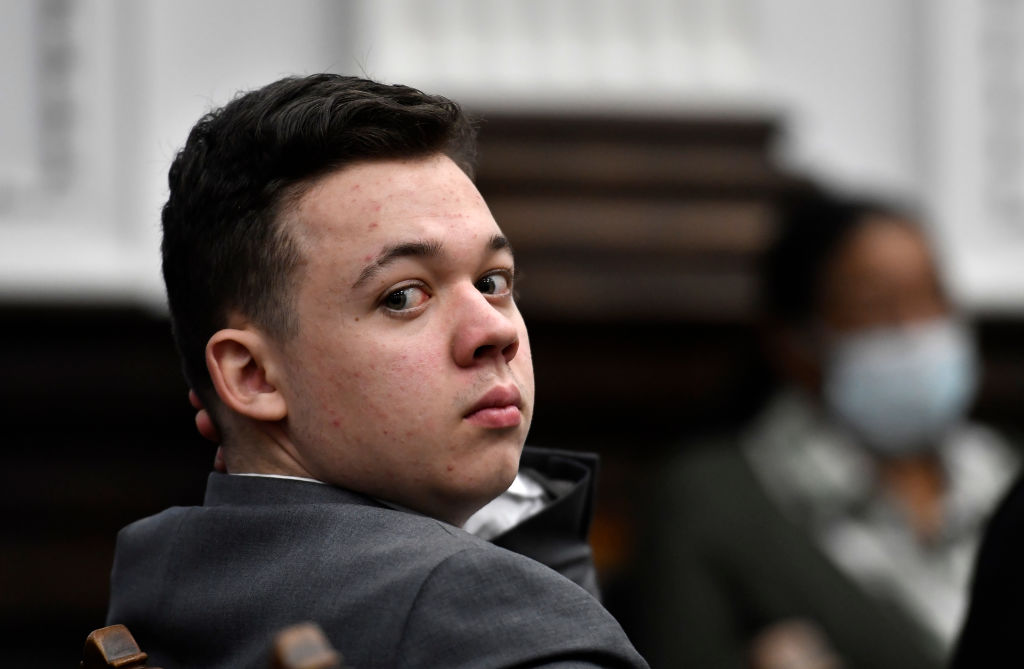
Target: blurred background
x,y
634,151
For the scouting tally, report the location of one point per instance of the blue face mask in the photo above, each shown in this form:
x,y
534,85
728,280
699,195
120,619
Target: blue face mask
x,y
899,389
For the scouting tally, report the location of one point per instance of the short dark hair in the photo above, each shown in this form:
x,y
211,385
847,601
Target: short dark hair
x,y
244,164
813,225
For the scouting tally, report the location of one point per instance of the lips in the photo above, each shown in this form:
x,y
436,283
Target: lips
x,y
500,407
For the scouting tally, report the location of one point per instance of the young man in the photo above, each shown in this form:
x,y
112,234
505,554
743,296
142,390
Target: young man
x,y
343,303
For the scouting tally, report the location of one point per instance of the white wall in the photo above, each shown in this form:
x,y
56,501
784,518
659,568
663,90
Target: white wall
x,y
974,170
128,79
196,54
847,75
844,74
871,93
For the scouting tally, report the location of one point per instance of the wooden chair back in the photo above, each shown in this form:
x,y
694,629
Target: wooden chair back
x,y
112,646
302,646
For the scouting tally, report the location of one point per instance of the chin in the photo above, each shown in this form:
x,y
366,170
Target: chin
x,y
509,465
494,482
481,486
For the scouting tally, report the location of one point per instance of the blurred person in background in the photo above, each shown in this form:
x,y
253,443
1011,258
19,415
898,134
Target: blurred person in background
x,y
839,527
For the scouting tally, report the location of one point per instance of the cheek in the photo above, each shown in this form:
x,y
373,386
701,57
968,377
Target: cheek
x,y
377,385
523,362
404,387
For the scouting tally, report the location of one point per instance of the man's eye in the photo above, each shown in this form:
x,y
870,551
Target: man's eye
x,y
494,284
406,298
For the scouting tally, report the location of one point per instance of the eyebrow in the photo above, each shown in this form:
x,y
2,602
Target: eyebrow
x,y
498,243
418,249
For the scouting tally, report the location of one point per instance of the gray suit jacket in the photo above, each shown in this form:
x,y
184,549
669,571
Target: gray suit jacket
x,y
208,586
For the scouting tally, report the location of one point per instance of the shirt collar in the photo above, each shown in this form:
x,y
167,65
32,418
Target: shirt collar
x,y
278,476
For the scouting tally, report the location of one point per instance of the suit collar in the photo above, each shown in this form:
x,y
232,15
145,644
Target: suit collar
x,y
569,478
258,491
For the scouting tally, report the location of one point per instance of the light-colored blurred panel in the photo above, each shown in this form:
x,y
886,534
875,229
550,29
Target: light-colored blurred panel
x,y
887,95
112,89
845,76
975,158
848,77
19,133
60,238
530,53
201,54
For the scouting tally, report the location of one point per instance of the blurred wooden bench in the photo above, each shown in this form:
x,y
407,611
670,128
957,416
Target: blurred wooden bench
x,y
301,646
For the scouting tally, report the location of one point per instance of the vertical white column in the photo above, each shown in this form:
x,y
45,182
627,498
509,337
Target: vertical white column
x,y
975,159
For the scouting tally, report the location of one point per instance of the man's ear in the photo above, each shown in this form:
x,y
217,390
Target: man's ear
x,y
243,372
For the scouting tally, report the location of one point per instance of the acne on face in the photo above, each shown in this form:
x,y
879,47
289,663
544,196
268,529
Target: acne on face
x,y
397,388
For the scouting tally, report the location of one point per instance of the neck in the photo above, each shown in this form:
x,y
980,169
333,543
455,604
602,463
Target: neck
x,y
263,448
918,485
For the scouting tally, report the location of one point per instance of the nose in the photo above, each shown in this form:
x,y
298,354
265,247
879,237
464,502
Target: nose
x,y
482,331
913,309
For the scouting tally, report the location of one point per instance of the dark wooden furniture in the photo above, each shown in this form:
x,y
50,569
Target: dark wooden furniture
x,y
112,646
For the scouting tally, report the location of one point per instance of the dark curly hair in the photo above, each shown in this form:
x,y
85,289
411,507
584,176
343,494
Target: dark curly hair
x,y
243,165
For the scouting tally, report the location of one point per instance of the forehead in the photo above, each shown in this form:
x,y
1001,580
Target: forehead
x,y
882,248
370,204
